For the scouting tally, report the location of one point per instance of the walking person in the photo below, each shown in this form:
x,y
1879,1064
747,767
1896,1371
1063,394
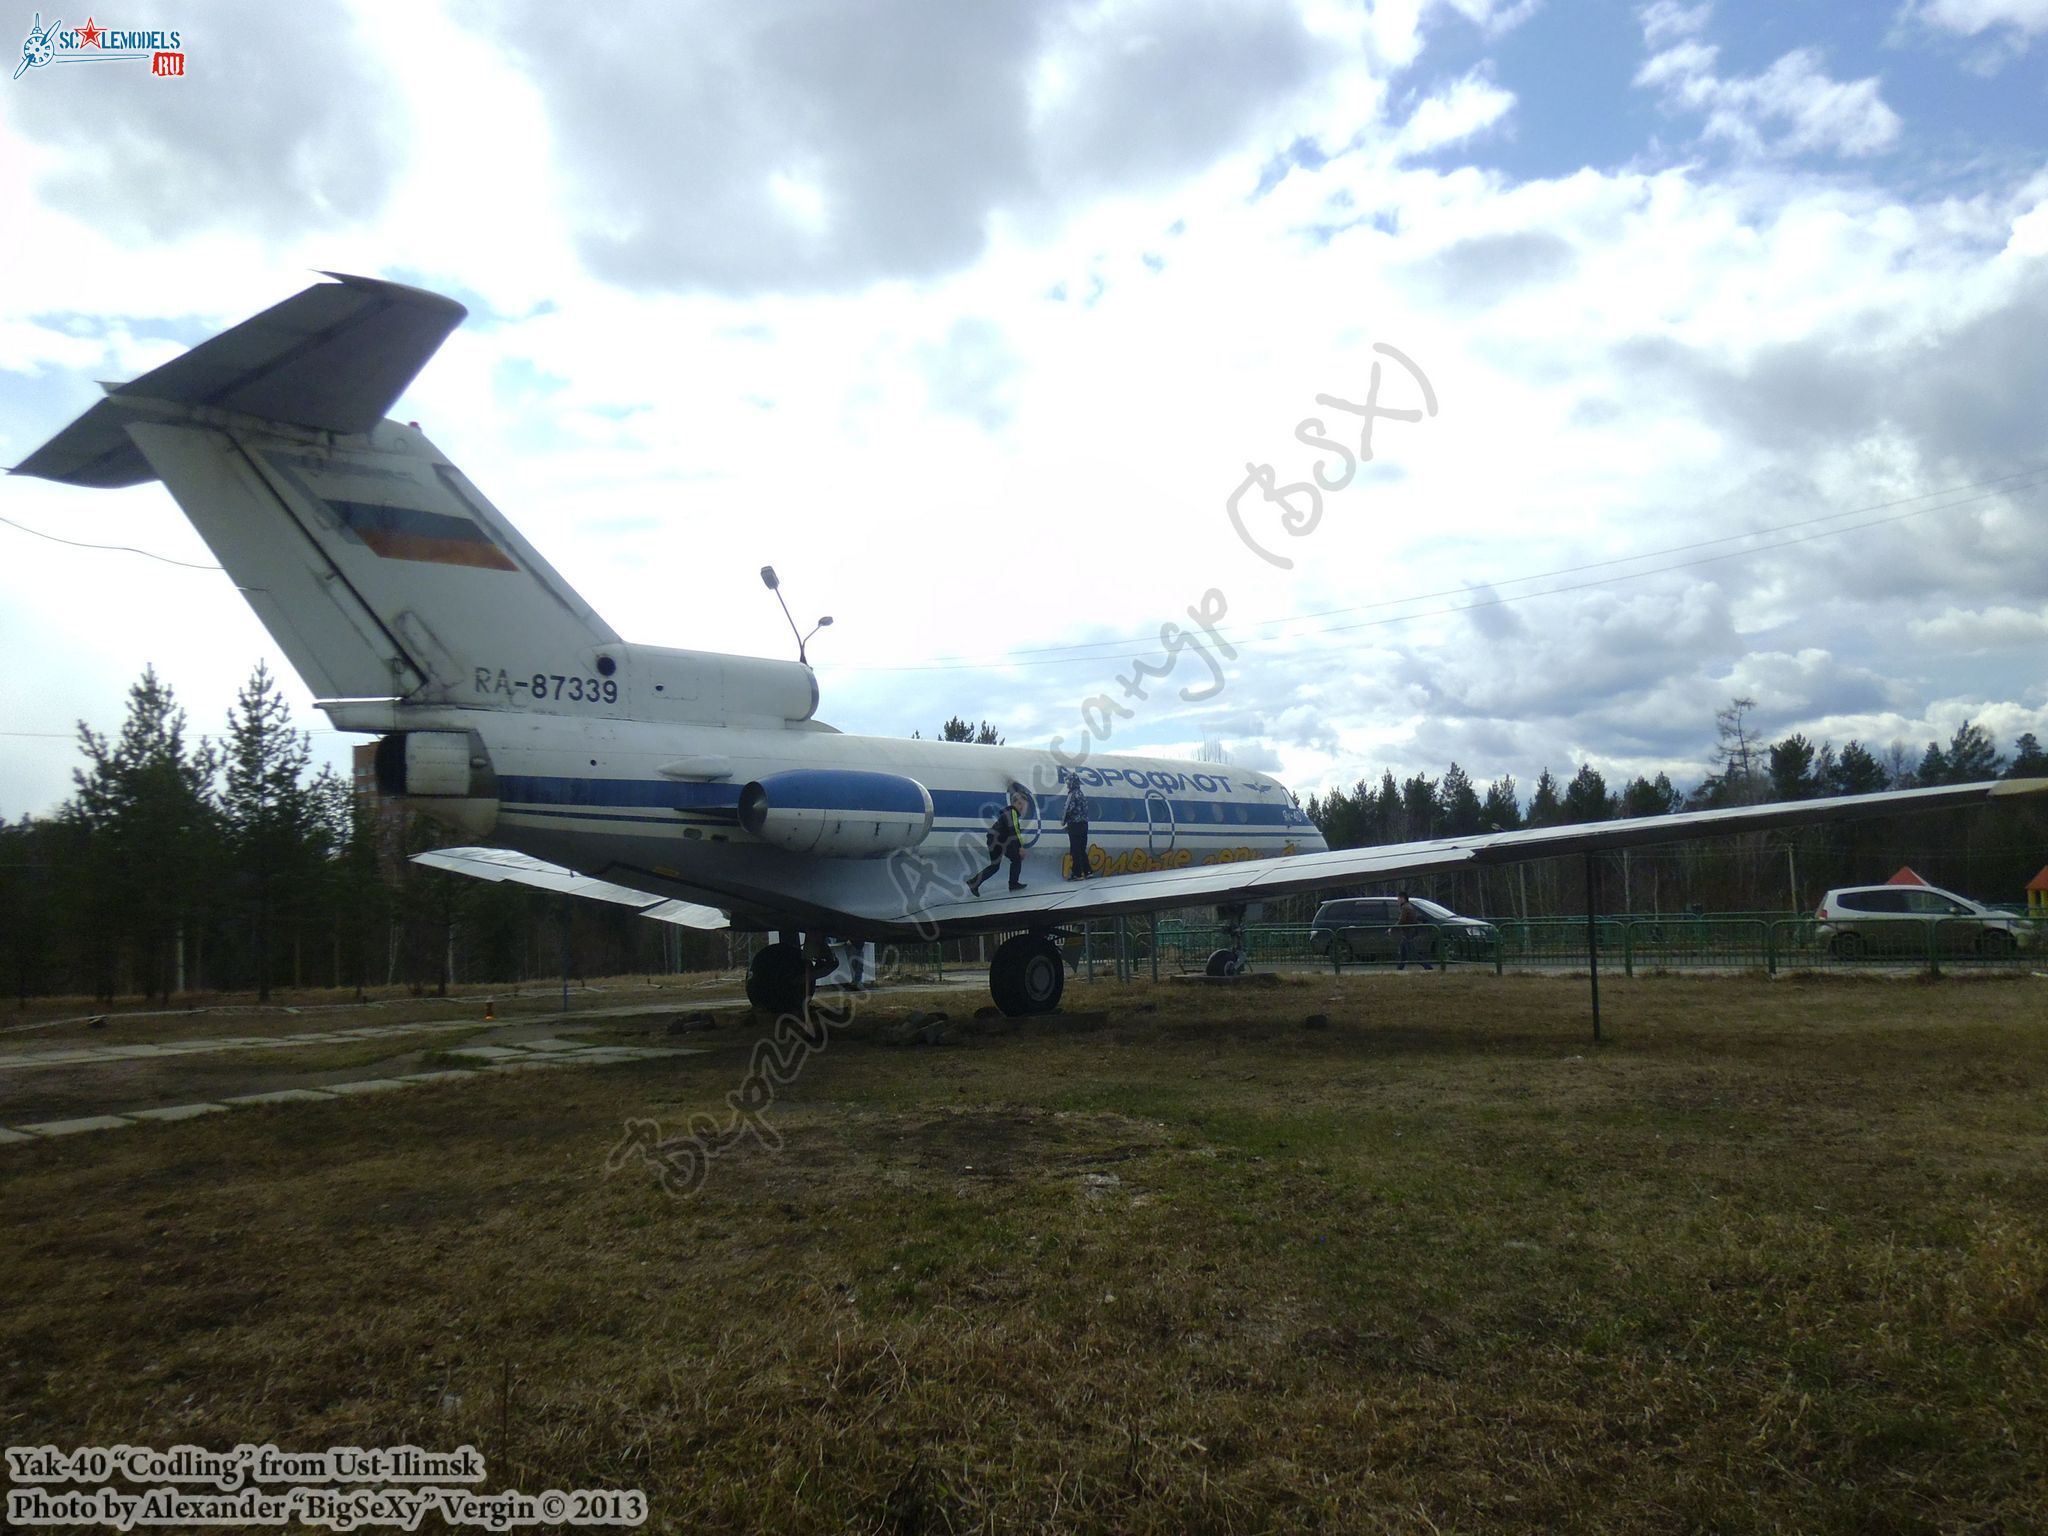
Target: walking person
x,y
1075,819
1006,840
1408,931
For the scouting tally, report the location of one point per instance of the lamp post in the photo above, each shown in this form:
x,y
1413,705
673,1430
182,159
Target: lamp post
x,y
774,584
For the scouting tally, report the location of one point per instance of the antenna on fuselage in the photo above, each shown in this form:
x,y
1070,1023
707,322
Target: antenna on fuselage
x,y
774,584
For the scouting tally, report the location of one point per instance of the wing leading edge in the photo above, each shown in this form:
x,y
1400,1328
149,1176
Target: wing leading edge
x,y
1256,879
1263,878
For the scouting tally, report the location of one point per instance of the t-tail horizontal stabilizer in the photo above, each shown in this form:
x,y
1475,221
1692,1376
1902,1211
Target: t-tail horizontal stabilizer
x,y
381,572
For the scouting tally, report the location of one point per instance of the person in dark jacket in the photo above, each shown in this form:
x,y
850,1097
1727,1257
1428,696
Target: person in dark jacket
x,y
1411,931
1006,840
1075,819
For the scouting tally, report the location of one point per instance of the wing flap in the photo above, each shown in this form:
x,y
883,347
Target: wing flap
x,y
497,864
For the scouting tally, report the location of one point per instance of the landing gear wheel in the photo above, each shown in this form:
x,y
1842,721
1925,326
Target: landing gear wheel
x,y
1848,946
1025,975
779,980
1223,962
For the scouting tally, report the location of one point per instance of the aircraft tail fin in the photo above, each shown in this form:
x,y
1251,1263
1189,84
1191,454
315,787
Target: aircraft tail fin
x,y
377,567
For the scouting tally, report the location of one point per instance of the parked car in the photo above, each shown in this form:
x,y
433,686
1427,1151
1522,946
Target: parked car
x,y
1364,926
1858,920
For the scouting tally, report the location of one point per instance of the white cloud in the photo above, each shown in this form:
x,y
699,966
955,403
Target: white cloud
x,y
2001,628
1971,17
1472,104
1794,107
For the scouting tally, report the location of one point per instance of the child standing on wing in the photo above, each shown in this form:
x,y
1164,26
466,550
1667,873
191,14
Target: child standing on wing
x,y
1075,818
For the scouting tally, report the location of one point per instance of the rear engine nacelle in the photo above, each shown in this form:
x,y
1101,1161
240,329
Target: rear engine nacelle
x,y
448,772
838,814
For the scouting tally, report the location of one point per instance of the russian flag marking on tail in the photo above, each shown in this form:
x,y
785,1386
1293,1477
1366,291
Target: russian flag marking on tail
x,y
408,533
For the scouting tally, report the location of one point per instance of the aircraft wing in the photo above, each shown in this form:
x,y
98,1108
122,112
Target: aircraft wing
x,y
502,864
1257,880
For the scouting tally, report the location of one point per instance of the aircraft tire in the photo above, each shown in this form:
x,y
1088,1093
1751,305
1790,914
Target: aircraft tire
x,y
779,979
1025,975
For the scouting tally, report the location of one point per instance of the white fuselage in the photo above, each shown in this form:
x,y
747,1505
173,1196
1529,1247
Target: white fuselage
x,y
656,806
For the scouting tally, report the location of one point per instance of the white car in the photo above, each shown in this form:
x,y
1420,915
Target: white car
x,y
1858,920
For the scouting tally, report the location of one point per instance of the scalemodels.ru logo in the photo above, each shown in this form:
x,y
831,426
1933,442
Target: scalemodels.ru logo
x,y
92,43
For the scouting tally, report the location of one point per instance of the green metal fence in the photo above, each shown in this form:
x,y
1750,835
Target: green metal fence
x,y
1766,941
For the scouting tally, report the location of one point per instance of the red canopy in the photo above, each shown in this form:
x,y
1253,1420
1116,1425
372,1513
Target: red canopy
x,y
1906,876
2040,881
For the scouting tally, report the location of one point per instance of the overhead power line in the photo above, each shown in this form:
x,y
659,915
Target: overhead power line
x,y
125,549
1095,650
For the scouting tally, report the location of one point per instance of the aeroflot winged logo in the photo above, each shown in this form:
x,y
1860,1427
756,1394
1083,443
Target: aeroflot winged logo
x,y
92,43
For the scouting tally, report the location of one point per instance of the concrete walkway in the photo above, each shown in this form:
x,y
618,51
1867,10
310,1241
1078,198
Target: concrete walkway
x,y
526,1056
526,1043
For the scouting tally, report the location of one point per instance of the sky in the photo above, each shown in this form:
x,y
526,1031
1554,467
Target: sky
x,y
1503,381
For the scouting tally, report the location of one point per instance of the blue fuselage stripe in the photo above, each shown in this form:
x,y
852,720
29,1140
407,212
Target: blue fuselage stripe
x,y
1194,817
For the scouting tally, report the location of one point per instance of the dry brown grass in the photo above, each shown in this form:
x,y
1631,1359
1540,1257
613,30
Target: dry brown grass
x,y
1774,1258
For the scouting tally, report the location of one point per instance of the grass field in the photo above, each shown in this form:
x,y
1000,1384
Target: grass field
x,y
1774,1258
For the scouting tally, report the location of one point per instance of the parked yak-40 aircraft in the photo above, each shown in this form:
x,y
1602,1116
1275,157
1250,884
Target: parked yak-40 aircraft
x,y
698,787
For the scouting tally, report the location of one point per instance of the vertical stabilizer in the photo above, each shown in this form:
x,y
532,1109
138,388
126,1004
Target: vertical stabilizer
x,y
377,567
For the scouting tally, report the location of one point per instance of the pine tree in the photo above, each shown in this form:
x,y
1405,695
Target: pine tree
x,y
1463,815
1586,798
957,729
1792,769
144,812
1419,807
1546,808
1857,772
1501,811
2028,760
1650,797
1739,782
1972,755
272,833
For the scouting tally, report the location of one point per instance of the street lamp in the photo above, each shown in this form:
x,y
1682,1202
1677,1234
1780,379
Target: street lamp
x,y
774,584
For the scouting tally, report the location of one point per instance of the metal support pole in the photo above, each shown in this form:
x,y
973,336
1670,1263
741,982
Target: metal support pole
x,y
565,953
1155,946
1593,936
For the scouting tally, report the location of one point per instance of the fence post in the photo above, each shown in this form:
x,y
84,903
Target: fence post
x,y
1771,944
1934,947
1628,947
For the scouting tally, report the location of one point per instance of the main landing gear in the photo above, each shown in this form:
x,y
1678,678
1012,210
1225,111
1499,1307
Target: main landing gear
x,y
1232,961
1027,975
779,978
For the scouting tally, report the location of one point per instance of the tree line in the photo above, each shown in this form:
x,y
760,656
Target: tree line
x,y
179,867
1995,849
